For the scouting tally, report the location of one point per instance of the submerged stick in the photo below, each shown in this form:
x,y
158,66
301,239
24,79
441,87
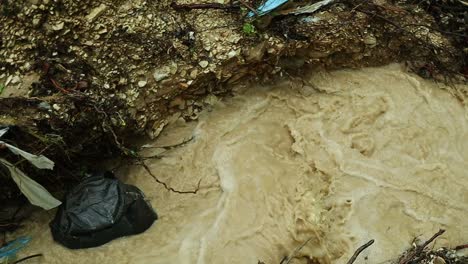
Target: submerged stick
x,y
28,257
359,251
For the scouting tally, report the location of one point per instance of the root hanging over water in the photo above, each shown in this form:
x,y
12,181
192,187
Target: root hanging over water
x,y
166,186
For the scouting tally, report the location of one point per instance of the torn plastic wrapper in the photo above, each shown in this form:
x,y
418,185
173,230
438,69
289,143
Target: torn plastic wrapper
x,y
271,5
40,162
8,252
267,7
35,193
3,131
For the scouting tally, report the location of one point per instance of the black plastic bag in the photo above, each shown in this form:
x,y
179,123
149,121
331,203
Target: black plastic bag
x,y
100,209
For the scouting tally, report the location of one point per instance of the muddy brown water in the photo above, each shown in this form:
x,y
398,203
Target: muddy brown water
x,y
338,158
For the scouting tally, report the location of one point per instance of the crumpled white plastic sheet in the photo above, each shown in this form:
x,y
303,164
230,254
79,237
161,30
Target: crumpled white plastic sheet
x,y
35,192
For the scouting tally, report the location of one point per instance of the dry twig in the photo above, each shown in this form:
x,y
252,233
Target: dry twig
x,y
415,255
28,257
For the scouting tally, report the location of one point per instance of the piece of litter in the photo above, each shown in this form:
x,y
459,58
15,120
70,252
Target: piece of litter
x,y
100,209
267,7
8,252
3,131
35,193
40,162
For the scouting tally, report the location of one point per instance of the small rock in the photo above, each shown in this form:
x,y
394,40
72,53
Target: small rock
x,y
36,21
15,80
161,73
58,26
173,68
122,81
157,129
96,12
142,84
8,80
56,107
102,31
203,63
44,105
233,38
26,66
232,54
194,73
370,40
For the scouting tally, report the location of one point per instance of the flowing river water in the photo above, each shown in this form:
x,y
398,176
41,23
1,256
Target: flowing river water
x,y
335,159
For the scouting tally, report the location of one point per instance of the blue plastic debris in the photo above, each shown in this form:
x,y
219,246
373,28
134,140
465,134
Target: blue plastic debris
x,y
9,251
267,7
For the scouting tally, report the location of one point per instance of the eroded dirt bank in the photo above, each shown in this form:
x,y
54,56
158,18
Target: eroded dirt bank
x,y
83,75
338,157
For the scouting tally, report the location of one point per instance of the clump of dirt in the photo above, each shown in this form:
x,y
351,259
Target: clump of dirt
x,y
79,79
